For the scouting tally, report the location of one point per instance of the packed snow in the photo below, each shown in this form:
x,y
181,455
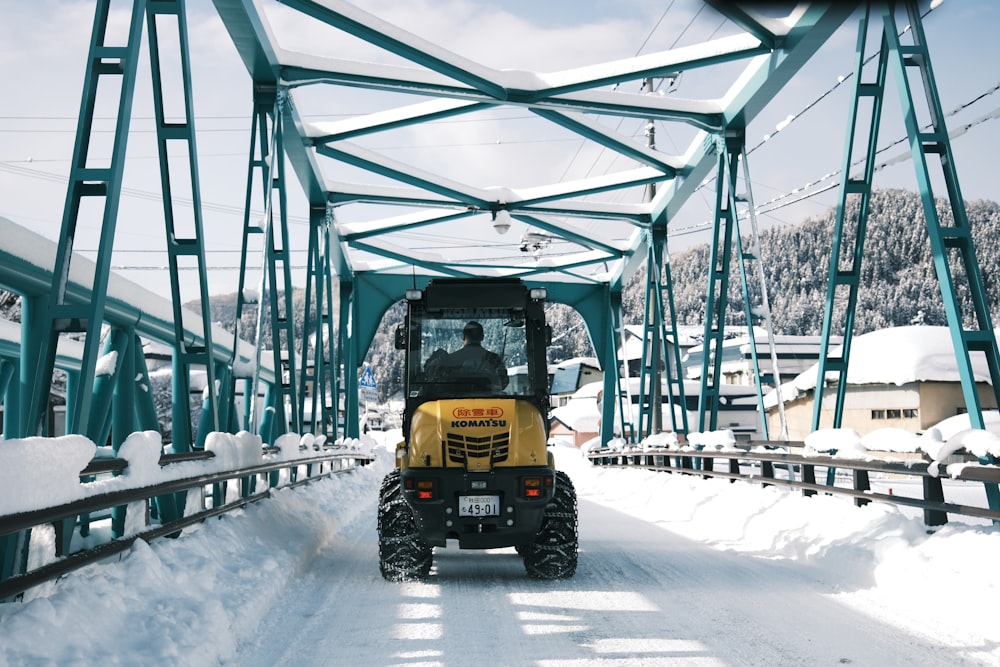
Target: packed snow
x,y
673,569
37,473
895,355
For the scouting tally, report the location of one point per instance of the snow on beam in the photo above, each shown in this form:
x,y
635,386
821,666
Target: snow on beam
x,y
28,271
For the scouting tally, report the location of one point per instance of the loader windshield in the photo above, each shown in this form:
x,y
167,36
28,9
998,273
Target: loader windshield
x,y
470,353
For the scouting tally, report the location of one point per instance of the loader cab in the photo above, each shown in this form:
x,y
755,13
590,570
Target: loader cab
x,y
461,337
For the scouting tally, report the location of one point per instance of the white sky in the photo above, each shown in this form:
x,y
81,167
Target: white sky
x,y
671,567
43,46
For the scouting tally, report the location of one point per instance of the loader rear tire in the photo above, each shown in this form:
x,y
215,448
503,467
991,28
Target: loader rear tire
x,y
553,553
402,554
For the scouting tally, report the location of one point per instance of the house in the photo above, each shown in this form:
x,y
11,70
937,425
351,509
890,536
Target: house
x,y
570,375
794,355
631,350
902,377
580,415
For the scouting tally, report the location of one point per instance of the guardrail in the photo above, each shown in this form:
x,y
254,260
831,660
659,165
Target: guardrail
x,y
214,498
760,461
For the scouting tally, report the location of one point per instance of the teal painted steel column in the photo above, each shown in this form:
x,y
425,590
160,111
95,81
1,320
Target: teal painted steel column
x,y
117,352
267,159
209,420
716,301
224,400
249,399
145,404
650,417
260,141
756,307
8,543
352,428
318,321
656,363
33,319
675,370
268,427
7,390
848,239
951,240
312,325
184,242
330,379
180,440
613,324
88,181
168,507
123,409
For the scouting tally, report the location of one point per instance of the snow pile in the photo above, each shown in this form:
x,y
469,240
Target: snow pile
x,y
719,441
840,442
37,473
188,601
42,472
142,450
891,439
920,578
663,440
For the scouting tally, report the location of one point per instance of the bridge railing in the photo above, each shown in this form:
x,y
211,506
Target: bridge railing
x,y
161,509
785,464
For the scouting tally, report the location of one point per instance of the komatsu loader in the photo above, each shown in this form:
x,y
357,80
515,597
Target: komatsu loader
x,y
473,468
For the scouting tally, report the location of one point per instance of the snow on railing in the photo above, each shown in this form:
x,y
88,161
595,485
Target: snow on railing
x,y
61,493
970,456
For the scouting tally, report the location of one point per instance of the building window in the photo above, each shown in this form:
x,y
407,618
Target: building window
x,y
895,413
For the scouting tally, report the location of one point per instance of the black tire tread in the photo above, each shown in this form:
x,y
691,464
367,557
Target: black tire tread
x,y
402,554
554,552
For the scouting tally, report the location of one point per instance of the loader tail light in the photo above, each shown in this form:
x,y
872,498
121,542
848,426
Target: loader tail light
x,y
425,489
532,486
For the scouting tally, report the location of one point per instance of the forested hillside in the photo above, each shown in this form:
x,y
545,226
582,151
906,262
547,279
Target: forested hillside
x,y
898,282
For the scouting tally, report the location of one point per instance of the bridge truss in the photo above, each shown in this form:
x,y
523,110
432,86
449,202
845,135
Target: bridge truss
x,y
367,210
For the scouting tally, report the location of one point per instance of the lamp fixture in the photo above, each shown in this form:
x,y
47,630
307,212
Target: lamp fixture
x,y
501,219
535,243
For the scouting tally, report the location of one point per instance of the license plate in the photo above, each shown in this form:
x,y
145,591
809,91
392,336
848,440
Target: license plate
x,y
479,506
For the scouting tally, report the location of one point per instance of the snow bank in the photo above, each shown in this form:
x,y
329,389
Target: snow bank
x,y
42,472
37,473
188,601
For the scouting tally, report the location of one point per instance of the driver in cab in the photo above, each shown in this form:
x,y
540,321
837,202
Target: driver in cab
x,y
472,359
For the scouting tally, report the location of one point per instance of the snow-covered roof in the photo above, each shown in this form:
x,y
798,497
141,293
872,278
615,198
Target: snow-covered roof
x,y
893,356
579,361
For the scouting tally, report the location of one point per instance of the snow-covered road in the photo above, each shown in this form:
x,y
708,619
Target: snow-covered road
x,y
673,570
642,596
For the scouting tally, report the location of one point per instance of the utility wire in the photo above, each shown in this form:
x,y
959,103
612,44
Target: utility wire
x,y
772,204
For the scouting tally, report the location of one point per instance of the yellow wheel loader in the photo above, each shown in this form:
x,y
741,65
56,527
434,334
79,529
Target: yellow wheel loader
x,y
473,468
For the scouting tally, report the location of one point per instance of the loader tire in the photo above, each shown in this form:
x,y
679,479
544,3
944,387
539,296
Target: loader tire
x,y
402,554
553,554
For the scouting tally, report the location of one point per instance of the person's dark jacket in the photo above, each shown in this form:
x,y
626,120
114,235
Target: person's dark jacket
x,y
473,360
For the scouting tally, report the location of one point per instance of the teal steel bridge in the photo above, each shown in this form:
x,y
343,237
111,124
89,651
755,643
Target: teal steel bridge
x,y
365,209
